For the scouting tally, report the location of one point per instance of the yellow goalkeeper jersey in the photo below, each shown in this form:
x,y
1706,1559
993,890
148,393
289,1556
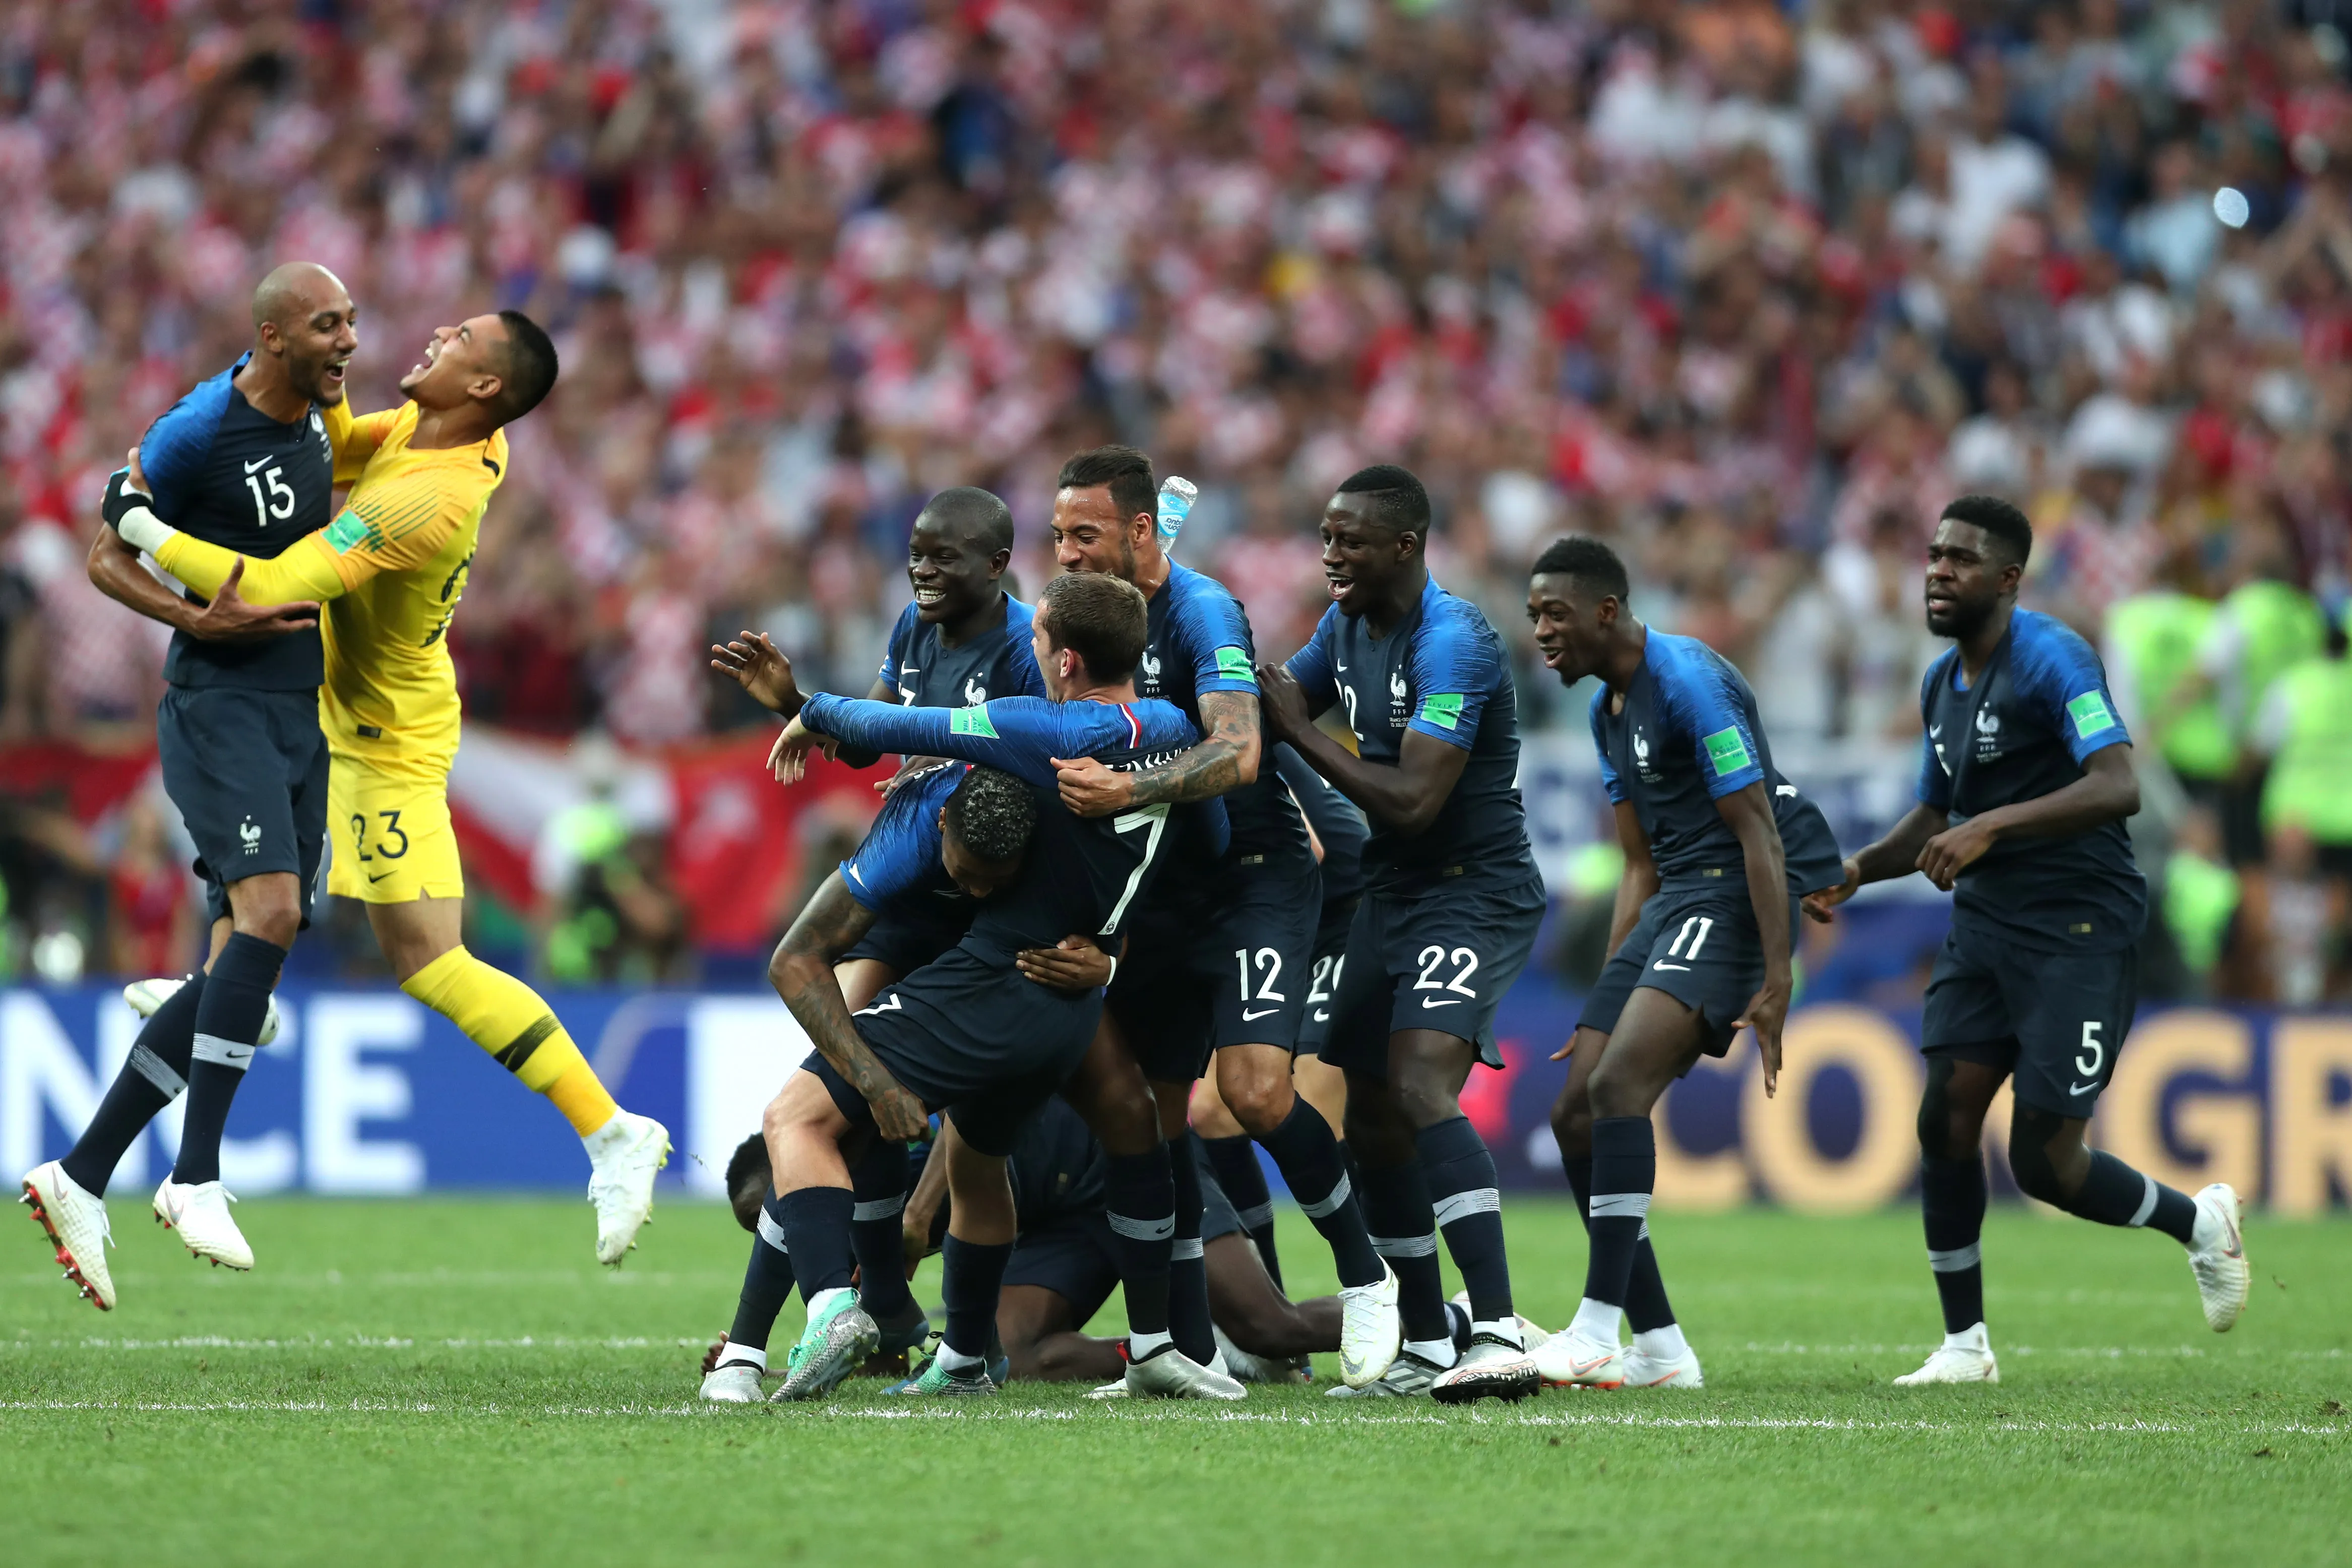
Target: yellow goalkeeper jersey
x,y
389,571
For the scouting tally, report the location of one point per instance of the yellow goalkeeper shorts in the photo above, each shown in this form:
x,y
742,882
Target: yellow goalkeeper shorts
x,y
391,835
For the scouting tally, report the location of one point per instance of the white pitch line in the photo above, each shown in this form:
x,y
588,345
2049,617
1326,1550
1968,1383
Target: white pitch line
x,y
964,1413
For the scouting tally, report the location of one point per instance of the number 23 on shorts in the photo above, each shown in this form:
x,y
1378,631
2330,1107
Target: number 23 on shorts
x,y
391,842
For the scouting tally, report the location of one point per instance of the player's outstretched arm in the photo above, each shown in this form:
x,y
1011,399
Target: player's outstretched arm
x,y
802,972
1226,760
1896,855
1748,812
1019,734
1405,799
115,571
2108,792
309,569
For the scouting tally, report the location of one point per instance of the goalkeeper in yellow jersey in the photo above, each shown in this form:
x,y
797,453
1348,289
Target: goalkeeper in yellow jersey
x,y
388,572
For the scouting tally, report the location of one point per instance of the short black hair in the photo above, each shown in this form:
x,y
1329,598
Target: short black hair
x,y
1127,471
530,372
748,1165
1100,618
1998,518
1393,498
969,509
1588,560
991,814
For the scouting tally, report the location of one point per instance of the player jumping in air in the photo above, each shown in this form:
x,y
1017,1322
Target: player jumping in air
x,y
1717,847
389,569
2025,779
242,461
1449,913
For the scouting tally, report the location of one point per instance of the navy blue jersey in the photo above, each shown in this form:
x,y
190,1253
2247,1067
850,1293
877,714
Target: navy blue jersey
x,y
1686,737
225,473
898,872
1337,823
1055,1167
927,673
1198,641
2038,710
1082,875
1442,673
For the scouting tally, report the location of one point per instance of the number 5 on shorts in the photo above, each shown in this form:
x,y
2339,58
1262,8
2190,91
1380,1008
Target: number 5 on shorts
x,y
2095,1054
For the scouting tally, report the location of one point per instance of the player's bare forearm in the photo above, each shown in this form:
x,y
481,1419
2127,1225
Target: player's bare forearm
x,y
803,974
1749,812
1405,798
1897,854
1639,881
2108,792
916,1221
1225,761
115,571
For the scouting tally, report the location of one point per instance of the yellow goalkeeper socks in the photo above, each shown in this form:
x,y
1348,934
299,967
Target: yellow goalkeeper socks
x,y
515,1025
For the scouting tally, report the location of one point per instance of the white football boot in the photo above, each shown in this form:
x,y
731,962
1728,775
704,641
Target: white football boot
x,y
623,1154
734,1383
146,996
1569,1360
1644,1370
2218,1256
1491,1367
75,1221
1963,1357
199,1212
1371,1331
1407,1375
1173,1375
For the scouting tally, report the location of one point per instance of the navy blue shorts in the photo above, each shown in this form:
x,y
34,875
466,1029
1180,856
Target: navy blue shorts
x,y
1438,958
906,946
2056,1019
974,1038
1699,946
1075,1256
247,770
1235,972
1330,964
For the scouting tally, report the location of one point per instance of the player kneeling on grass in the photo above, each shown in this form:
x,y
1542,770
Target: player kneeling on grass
x,y
1701,812
1063,1268
2025,779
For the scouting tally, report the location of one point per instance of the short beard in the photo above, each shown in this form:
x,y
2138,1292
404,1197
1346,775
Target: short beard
x,y
1965,620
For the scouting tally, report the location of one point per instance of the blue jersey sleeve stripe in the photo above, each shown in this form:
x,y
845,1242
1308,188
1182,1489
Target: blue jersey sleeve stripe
x,y
172,454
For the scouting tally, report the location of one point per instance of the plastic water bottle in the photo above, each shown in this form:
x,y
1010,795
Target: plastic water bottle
x,y
1177,495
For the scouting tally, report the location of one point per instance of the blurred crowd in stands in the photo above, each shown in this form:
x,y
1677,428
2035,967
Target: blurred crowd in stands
x,y
1751,288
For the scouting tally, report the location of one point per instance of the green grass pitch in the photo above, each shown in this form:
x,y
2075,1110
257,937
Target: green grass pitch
x,y
457,1381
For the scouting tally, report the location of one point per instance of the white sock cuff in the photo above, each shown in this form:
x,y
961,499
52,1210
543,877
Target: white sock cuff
x,y
1462,1205
879,1208
1406,1246
741,1354
1332,1200
1187,1249
1619,1205
772,1233
1258,1218
158,1071
1505,1328
1141,1229
2146,1201
1666,1343
1436,1351
1597,1321
1954,1260
237,1054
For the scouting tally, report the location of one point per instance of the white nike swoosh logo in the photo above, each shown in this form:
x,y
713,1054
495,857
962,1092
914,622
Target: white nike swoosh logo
x,y
1322,1015
1262,1012
860,880
1788,790
1441,1002
1934,730
1343,669
1663,965
256,463
2081,1088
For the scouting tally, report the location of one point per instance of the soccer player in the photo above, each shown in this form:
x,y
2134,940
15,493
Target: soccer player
x,y
969,1031
1717,847
242,461
1449,914
389,569
944,840
1221,959
2025,779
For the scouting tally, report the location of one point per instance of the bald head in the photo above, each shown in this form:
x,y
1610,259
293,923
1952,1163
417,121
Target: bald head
x,y
304,333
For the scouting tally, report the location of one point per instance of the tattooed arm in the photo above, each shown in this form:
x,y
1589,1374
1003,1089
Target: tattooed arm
x,y
802,972
1226,759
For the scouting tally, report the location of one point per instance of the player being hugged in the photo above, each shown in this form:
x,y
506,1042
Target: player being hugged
x,y
2025,779
389,570
242,461
1449,914
971,1034
1717,847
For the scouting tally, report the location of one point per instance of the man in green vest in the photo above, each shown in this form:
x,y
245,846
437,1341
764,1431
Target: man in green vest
x,y
2151,648
2264,627
2304,729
